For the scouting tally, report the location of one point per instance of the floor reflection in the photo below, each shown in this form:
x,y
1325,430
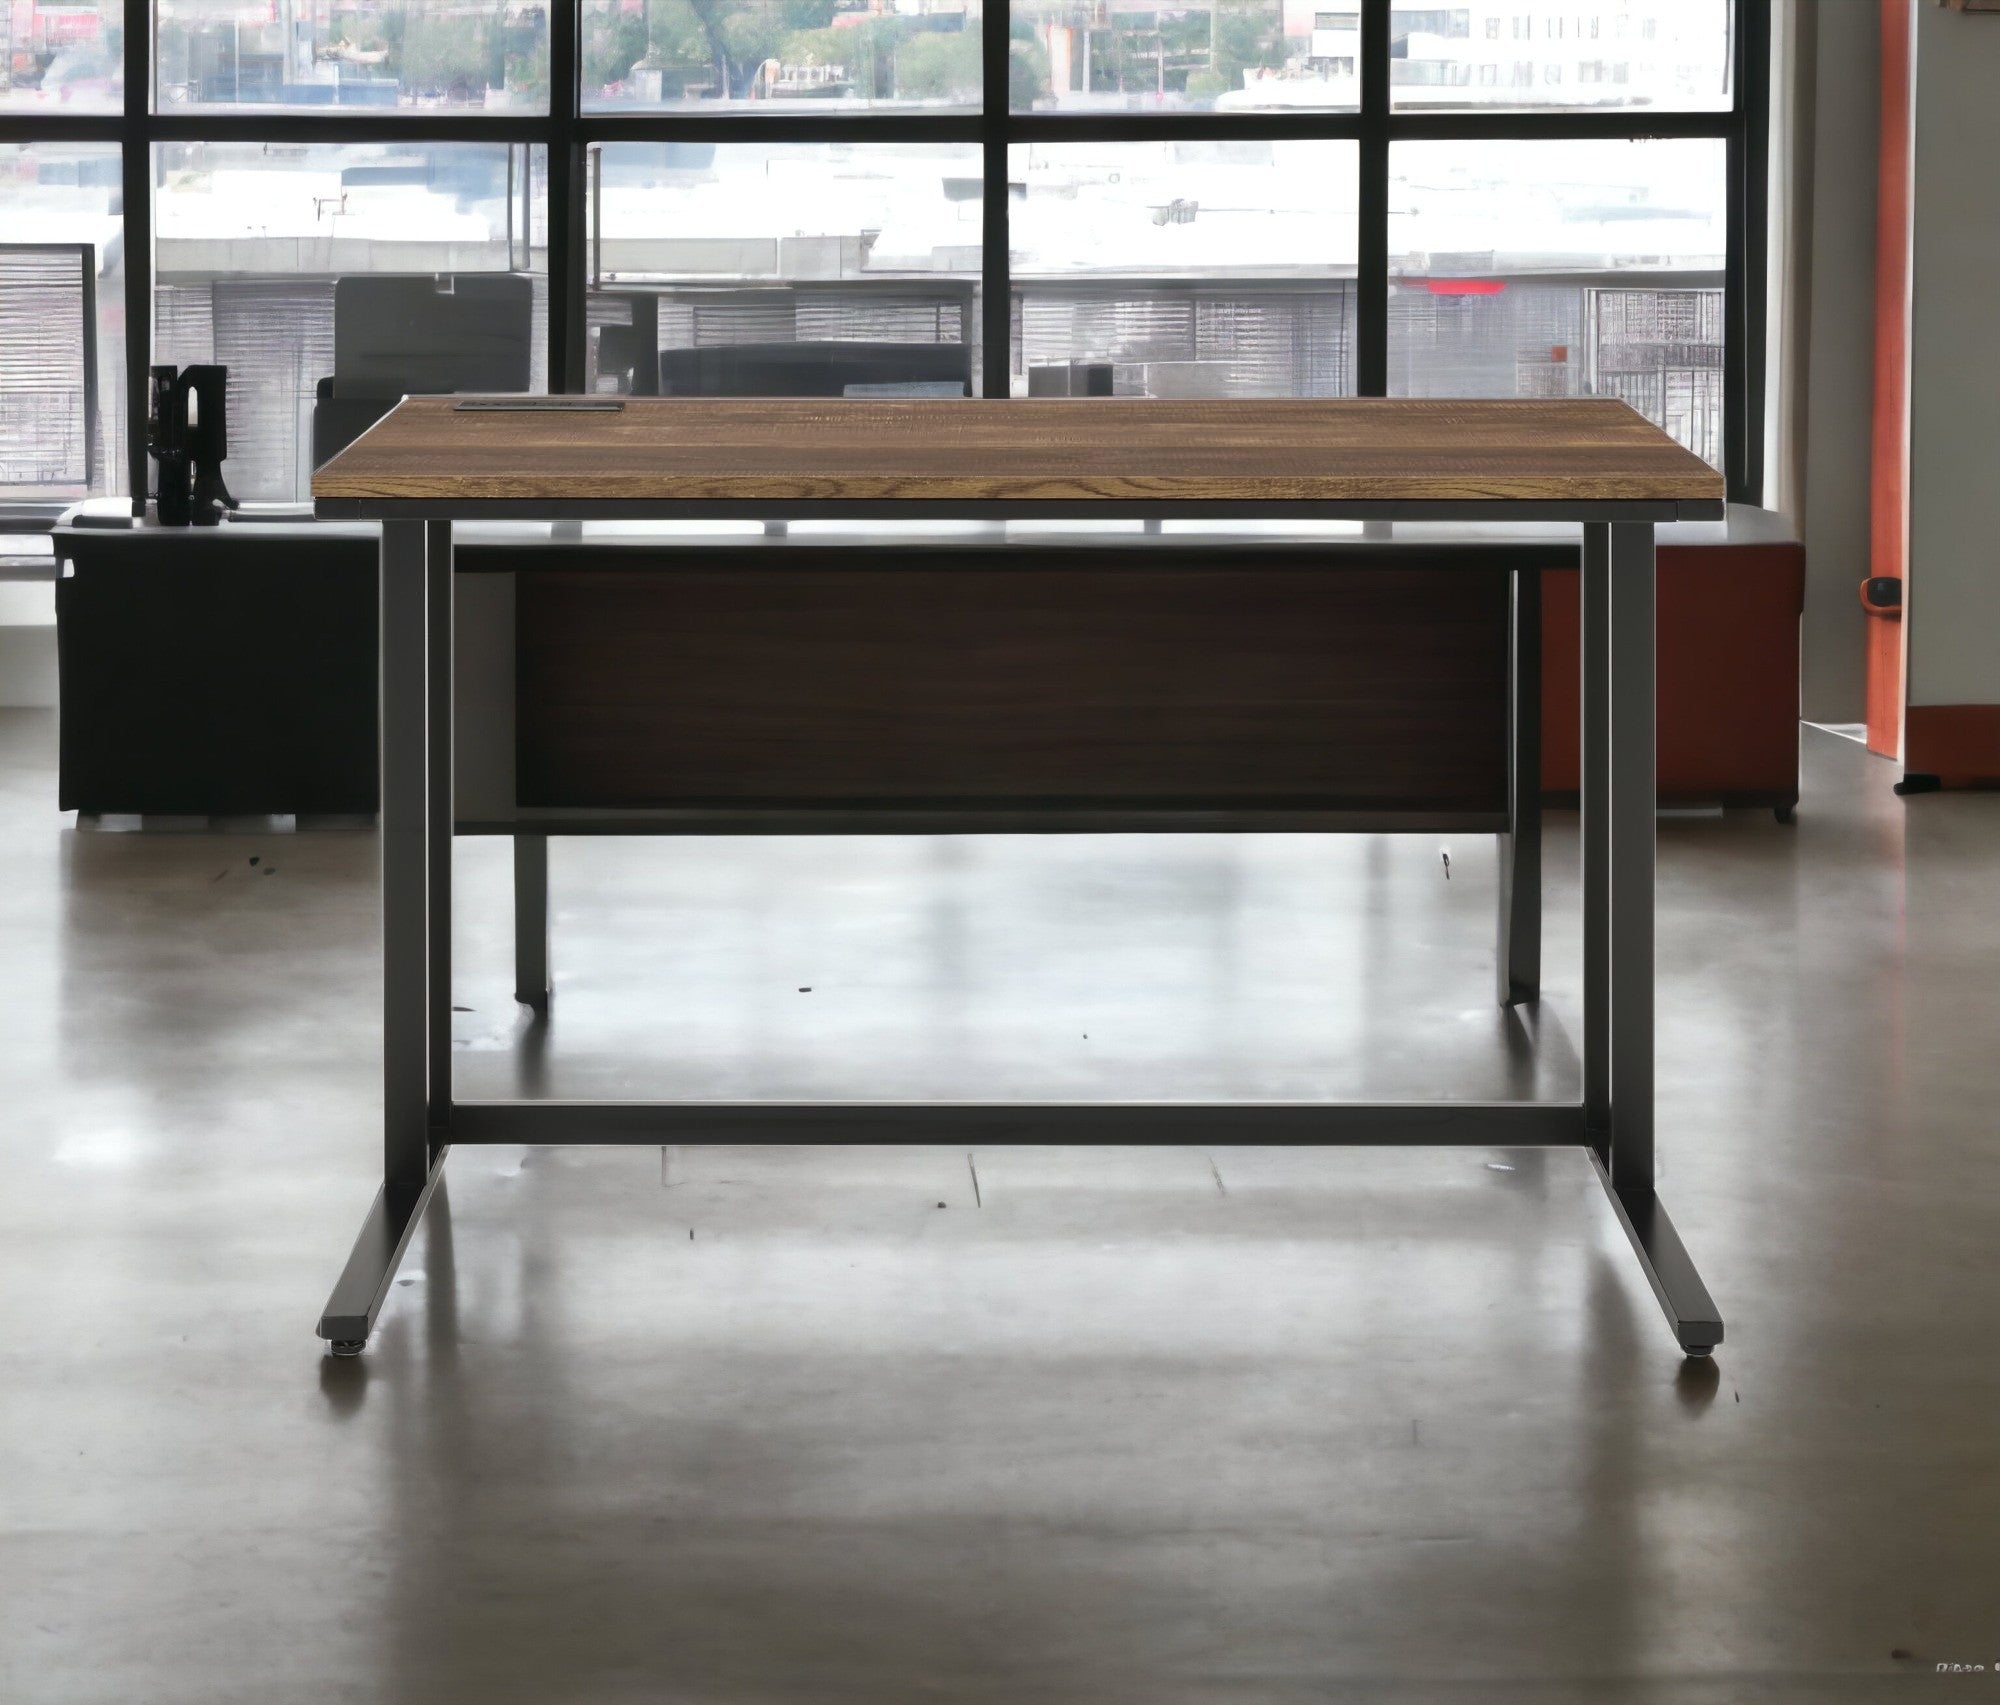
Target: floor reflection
x,y
842,1439
1390,1427
1201,967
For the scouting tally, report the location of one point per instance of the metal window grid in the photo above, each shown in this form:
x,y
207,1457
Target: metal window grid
x,y
568,133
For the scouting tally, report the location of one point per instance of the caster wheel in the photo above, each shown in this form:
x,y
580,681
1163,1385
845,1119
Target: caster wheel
x,y
1785,813
345,1347
1698,1352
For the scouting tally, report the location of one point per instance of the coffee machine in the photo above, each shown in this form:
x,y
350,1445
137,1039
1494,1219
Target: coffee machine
x,y
187,433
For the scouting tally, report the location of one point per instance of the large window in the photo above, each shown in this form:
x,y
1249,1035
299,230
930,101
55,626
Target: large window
x,y
62,321
1184,268
1557,55
353,56
773,57
62,59
1574,268
343,198
251,243
1219,56
817,268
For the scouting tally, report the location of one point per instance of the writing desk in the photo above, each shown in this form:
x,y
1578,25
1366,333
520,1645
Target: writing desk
x,y
1595,463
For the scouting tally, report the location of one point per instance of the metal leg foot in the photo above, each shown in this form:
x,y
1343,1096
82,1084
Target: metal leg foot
x,y
378,1252
1690,1310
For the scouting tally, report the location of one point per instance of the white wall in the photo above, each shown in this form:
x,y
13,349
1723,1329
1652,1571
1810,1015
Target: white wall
x,y
1954,592
27,643
1838,45
1788,262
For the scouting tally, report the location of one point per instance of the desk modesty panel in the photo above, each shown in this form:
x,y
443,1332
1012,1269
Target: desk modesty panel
x,y
456,456
1063,678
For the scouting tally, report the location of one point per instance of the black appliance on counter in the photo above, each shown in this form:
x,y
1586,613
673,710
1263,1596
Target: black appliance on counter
x,y
187,435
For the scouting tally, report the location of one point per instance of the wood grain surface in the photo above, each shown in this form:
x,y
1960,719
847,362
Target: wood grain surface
x,y
1354,450
714,680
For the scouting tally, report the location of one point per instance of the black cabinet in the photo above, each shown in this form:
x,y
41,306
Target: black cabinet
x,y
218,671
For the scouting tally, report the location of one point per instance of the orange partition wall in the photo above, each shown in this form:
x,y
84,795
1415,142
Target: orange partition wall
x,y
1957,743
1889,518
1728,674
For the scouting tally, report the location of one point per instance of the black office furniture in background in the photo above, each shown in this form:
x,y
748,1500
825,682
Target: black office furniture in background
x,y
1071,379
801,338
220,673
817,370
396,336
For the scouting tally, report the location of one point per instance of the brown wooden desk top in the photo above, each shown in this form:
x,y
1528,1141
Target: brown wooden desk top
x,y
658,449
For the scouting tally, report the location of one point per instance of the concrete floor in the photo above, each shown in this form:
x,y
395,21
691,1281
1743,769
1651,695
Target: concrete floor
x,y
1022,1425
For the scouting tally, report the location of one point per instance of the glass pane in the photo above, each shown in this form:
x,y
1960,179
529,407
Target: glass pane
x,y
1483,55
258,250
62,321
1562,269
1183,269
785,269
1222,56
351,55
781,56
62,59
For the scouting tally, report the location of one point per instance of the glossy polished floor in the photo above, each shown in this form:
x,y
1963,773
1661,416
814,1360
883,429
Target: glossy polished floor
x,y
879,1425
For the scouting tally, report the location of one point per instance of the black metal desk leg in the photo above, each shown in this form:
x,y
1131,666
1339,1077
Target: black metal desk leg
x,y
440,820
1593,801
410,1161
1631,796
1520,946
531,920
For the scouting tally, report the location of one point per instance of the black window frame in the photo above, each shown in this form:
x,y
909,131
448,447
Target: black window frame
x,y
568,133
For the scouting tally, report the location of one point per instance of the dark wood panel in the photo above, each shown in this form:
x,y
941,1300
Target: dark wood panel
x,y
1275,450
712,682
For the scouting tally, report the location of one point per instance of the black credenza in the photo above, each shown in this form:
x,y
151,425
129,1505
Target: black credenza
x,y
218,671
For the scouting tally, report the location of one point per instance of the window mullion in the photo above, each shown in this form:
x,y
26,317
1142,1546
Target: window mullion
x,y
1371,279
566,287
136,171
996,338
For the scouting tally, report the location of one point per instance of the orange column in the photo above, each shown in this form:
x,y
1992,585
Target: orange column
x,y
1890,521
